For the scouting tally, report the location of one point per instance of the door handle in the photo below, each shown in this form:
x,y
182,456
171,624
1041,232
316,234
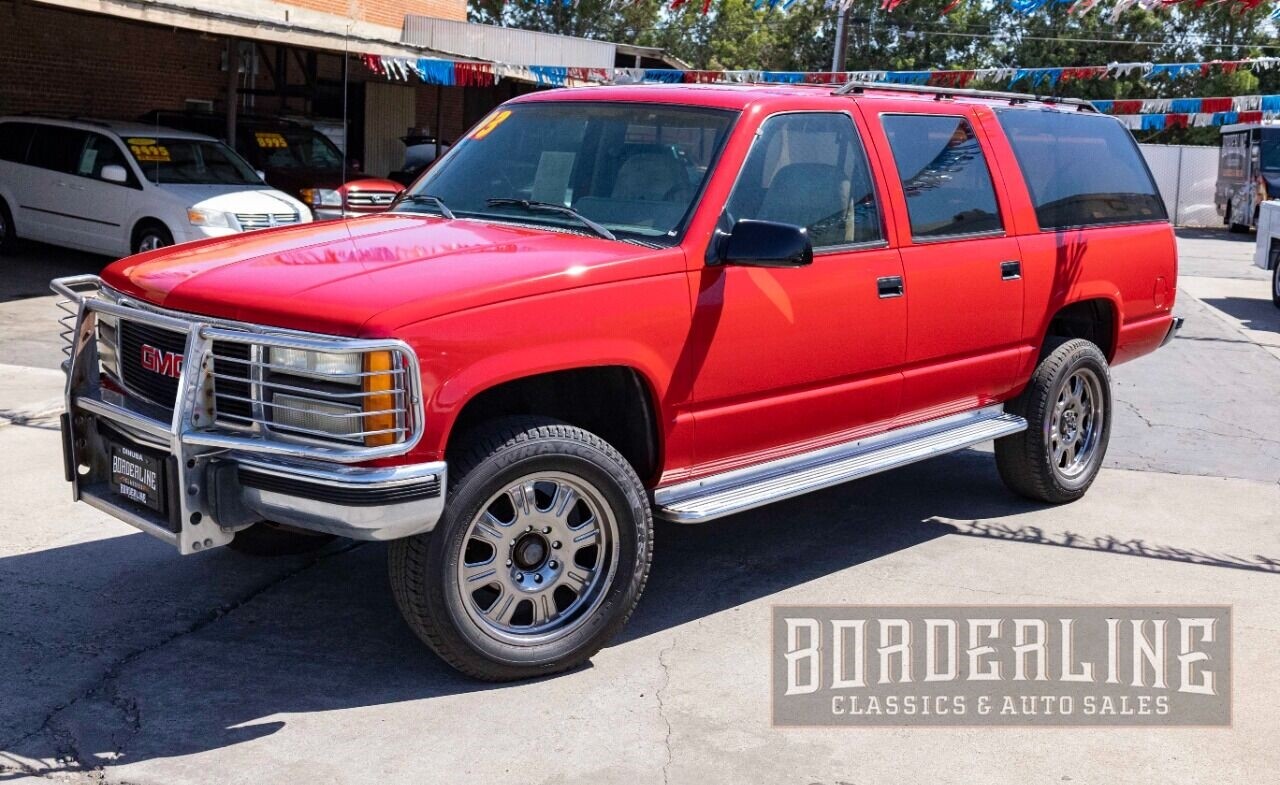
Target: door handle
x,y
1011,270
890,286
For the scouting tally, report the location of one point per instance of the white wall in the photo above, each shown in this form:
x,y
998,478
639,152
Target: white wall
x,y
1186,175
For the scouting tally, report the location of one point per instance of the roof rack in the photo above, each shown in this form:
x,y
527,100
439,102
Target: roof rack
x,y
857,86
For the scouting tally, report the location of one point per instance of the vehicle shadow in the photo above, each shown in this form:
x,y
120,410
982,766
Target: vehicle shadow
x,y
33,265
151,656
1256,314
1200,233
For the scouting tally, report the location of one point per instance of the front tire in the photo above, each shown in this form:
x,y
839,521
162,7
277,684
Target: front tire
x,y
540,557
1067,406
150,236
1275,285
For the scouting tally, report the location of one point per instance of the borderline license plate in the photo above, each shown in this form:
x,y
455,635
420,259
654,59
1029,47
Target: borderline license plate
x,y
137,477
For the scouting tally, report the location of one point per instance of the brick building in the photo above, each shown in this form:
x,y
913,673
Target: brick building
x,y
118,59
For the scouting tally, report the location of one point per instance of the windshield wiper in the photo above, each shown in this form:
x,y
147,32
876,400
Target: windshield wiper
x,y
436,201
550,207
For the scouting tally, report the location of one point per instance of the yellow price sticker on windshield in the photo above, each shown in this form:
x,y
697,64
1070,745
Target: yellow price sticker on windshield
x,y
270,139
492,123
149,153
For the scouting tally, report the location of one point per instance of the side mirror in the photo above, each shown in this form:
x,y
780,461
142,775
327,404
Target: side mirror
x,y
114,173
767,244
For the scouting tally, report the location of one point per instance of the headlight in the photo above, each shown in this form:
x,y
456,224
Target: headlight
x,y
343,368
321,197
308,414
199,216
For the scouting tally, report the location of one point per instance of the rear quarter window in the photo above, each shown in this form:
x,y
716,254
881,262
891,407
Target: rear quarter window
x,y
1081,169
14,140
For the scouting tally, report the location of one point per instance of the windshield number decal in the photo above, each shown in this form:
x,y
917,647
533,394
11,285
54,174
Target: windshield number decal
x,y
270,139
491,124
147,151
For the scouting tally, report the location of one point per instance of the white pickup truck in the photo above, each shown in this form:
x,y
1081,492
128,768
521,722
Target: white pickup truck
x,y
1267,252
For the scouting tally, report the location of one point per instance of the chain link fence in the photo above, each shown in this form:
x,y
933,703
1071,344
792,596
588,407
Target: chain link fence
x,y
1186,175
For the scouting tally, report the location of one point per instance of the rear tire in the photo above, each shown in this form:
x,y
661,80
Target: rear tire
x,y
8,237
540,557
270,539
1067,406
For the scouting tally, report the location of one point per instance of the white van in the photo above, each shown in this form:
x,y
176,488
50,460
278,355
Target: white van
x,y
119,188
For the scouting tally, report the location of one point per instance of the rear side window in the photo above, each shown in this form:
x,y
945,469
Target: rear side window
x,y
14,139
809,169
1081,169
944,176
58,148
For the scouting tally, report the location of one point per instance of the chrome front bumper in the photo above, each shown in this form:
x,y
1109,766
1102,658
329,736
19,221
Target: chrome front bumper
x,y
214,484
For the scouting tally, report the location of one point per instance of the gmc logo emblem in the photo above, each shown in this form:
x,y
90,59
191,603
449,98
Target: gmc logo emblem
x,y
161,362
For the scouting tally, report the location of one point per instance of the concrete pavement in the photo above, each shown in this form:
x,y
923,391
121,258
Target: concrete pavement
x,y
126,663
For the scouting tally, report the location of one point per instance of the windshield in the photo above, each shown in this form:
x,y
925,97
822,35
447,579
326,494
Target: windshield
x,y
190,162
633,168
296,148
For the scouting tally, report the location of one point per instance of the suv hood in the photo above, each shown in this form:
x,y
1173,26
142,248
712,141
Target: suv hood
x,y
369,276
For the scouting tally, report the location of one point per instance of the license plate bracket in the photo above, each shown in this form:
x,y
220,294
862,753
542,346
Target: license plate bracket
x,y
138,476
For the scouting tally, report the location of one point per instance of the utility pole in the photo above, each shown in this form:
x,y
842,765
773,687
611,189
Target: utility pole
x,y
842,38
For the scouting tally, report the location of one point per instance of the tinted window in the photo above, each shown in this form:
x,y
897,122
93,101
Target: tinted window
x,y
944,175
14,138
1082,169
58,148
99,152
809,170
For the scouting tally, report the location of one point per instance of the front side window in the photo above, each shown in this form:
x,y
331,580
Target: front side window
x,y
98,152
633,168
168,161
809,169
1081,169
944,176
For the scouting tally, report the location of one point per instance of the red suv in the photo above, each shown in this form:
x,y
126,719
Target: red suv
x,y
613,304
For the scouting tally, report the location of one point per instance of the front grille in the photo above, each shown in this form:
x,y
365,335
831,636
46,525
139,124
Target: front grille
x,y
264,220
371,199
162,345
231,382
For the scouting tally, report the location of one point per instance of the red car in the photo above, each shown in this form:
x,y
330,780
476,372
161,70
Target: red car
x,y
352,199
613,304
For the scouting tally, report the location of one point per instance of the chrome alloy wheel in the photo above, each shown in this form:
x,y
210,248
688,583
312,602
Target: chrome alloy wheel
x,y
1075,423
537,558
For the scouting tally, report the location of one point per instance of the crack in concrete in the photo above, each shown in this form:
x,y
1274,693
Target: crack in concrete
x,y
662,709
66,746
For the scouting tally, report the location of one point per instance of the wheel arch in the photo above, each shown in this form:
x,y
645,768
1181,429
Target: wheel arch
x,y
1095,318
149,220
617,402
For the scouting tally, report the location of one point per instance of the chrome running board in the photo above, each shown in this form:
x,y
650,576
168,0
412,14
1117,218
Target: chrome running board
x,y
744,489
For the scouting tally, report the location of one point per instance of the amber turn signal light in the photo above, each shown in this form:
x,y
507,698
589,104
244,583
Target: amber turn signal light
x,y
379,399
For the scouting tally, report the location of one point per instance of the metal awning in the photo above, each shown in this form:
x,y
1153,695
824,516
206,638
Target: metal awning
x,y
260,20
